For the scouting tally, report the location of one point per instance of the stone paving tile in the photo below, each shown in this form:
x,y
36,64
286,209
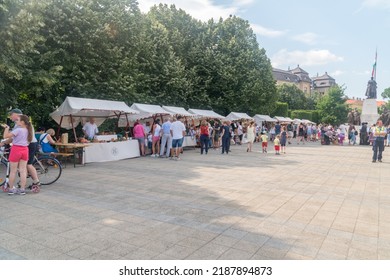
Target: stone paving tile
x,y
236,254
184,211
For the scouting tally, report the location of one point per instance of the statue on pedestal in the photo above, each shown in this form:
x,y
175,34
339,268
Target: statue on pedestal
x,y
371,89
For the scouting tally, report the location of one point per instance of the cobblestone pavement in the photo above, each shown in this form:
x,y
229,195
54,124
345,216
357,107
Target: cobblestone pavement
x,y
315,202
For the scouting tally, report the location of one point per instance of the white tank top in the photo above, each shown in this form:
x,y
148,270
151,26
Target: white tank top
x,y
157,130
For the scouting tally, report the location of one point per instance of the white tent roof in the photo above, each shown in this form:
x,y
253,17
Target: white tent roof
x,y
233,116
298,121
283,119
264,118
177,111
82,108
206,114
148,109
307,121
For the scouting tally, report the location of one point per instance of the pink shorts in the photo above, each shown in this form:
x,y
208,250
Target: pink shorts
x,y
156,138
277,148
18,153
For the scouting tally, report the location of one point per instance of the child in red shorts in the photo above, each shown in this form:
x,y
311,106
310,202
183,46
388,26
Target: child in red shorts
x,y
277,145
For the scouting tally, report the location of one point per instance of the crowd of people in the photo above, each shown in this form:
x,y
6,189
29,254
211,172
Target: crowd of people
x,y
157,138
166,140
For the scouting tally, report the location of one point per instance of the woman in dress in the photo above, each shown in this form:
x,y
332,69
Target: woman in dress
x,y
250,135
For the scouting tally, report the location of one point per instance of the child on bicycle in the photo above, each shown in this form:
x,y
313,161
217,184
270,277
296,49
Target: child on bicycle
x,y
18,157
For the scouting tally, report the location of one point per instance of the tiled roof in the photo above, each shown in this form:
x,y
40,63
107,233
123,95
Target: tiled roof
x,y
281,75
298,70
323,77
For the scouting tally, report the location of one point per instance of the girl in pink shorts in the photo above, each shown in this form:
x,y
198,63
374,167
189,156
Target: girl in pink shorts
x,y
21,136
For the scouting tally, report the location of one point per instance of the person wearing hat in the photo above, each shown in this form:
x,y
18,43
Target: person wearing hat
x,y
14,115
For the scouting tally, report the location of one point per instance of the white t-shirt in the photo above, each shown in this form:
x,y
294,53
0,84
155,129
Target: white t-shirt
x,y
177,129
90,129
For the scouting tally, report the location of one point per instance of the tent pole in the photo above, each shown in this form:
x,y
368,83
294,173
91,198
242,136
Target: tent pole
x,y
117,123
74,129
59,128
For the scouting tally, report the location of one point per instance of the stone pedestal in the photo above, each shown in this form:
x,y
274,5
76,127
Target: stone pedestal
x,y
369,112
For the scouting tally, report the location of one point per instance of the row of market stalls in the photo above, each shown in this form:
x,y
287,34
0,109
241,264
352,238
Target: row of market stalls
x,y
74,111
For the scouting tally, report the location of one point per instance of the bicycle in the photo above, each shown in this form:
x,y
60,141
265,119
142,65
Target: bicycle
x,y
48,168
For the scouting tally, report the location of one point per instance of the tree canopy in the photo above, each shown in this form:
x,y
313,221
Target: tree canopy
x,y
332,107
109,49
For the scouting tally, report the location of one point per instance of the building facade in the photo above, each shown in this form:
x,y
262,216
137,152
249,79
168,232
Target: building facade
x,y
322,84
301,79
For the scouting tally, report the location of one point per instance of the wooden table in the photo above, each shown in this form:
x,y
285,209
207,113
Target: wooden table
x,y
73,148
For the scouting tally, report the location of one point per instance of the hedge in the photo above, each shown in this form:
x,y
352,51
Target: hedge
x,y
281,109
311,115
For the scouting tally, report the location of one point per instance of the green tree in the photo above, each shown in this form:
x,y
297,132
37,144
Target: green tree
x,y
242,79
332,108
386,93
293,96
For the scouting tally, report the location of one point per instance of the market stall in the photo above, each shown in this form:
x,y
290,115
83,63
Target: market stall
x,y
74,111
206,114
148,111
234,116
263,119
283,119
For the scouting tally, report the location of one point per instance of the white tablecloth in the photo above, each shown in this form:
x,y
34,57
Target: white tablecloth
x,y
189,142
100,152
106,137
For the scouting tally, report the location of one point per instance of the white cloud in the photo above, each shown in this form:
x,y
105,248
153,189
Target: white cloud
x,y
199,9
305,58
337,73
267,32
241,3
308,38
382,4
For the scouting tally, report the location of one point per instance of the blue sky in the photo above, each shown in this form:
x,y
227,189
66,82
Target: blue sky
x,y
338,37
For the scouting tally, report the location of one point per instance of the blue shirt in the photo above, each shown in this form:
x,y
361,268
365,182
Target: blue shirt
x,y
278,128
166,127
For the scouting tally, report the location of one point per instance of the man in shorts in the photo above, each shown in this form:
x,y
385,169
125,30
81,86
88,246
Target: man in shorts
x,y
178,131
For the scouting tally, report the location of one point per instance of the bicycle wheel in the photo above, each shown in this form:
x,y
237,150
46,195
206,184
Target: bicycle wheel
x,y
3,172
49,170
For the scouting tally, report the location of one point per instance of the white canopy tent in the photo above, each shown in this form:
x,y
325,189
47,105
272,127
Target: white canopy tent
x,y
307,121
283,119
178,111
297,121
147,112
75,110
263,118
208,114
234,116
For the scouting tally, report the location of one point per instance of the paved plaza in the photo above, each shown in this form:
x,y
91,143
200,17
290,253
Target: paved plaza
x,y
315,202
